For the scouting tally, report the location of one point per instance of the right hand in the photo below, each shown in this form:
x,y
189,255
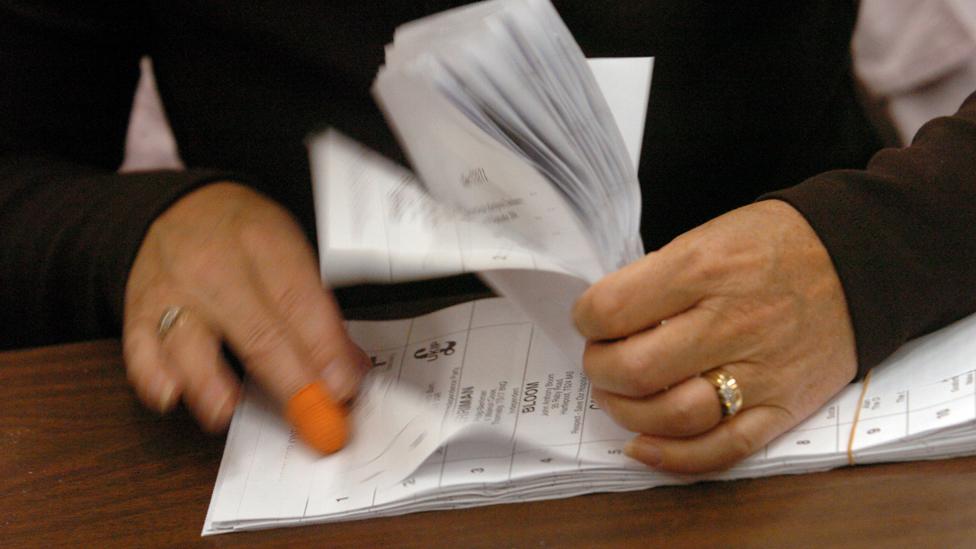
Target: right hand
x,y
241,269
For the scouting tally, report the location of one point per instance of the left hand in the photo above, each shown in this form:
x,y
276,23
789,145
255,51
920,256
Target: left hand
x,y
753,292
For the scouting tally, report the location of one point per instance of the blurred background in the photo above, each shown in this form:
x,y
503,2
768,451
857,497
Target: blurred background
x,y
915,60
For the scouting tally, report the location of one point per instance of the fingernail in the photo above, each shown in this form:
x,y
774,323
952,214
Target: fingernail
x,y
342,378
219,413
365,363
644,451
317,418
167,396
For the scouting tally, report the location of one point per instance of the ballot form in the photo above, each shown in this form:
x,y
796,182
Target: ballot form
x,y
472,405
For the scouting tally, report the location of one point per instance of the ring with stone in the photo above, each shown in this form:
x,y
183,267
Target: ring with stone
x,y
727,389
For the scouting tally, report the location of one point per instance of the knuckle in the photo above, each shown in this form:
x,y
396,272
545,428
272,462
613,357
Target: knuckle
x,y
262,340
755,314
741,445
710,272
682,416
255,237
292,302
637,372
752,324
697,262
598,363
605,304
591,365
267,228
735,321
206,265
713,267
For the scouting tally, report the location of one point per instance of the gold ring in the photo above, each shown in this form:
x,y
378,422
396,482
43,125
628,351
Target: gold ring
x,y
170,317
727,388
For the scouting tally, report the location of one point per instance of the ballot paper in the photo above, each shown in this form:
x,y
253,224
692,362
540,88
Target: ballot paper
x,y
505,123
526,160
377,224
472,405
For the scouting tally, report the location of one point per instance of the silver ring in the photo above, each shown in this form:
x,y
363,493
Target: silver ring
x,y
727,388
170,317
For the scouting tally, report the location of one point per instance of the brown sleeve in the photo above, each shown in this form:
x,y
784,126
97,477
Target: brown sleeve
x,y
69,225
902,234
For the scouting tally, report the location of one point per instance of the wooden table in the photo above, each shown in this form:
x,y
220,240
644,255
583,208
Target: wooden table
x,y
82,463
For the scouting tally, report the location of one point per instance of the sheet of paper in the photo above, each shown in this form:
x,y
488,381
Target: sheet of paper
x,y
376,225
626,85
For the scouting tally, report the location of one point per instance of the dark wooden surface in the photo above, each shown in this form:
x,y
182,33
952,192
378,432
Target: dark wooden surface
x,y
82,463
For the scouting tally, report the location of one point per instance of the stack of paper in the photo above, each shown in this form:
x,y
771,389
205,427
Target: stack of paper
x,y
472,405
377,224
528,182
494,103
503,120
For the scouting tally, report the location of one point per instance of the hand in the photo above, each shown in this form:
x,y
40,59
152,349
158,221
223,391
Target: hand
x,y
753,292
243,272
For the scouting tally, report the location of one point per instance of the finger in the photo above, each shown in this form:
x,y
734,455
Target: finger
x,y
145,367
649,361
274,356
718,449
233,303
286,269
638,296
210,390
689,408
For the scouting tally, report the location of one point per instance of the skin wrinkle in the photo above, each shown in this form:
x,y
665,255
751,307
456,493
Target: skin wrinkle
x,y
763,309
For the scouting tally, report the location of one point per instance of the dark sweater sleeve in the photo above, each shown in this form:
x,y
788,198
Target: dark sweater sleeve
x,y
901,234
69,225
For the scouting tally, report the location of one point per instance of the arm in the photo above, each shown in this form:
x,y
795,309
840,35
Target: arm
x,y
902,234
81,247
69,225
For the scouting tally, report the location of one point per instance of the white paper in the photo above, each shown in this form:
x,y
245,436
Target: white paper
x,y
472,405
376,225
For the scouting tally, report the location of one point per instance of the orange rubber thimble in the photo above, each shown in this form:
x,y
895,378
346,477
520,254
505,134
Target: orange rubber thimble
x,y
318,419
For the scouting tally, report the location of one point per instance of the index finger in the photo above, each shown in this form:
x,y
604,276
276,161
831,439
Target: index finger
x,y
288,273
638,296
718,449
275,356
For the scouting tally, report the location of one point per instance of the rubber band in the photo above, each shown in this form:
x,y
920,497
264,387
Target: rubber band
x,y
857,417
